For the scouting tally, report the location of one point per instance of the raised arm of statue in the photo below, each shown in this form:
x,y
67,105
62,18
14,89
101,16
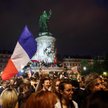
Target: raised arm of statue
x,y
43,21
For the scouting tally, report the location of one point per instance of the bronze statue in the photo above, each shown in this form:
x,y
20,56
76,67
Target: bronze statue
x,y
43,21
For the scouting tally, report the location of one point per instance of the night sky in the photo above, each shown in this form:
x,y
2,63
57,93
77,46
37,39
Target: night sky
x,y
79,26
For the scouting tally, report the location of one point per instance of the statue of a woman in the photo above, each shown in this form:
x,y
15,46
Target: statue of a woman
x,y
43,21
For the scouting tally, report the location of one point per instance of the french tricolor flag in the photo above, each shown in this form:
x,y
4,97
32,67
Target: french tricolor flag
x,y
23,52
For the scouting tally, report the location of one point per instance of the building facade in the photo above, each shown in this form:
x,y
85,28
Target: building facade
x,y
4,57
71,62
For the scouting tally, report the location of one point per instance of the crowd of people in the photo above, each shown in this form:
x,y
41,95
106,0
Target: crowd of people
x,y
48,91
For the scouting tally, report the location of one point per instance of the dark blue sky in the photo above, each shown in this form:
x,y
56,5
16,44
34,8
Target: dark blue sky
x,y
79,26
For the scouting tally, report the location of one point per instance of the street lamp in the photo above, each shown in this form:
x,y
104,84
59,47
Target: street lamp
x,y
105,73
84,68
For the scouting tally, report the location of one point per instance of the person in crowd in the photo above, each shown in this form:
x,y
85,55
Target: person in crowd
x,y
106,83
82,83
33,82
55,86
9,98
77,92
18,82
93,83
57,82
25,91
98,99
3,86
45,84
12,83
66,93
42,99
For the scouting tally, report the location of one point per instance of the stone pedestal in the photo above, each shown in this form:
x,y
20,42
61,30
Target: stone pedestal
x,y
45,48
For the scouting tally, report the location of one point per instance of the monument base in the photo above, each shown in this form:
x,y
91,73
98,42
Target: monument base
x,y
45,48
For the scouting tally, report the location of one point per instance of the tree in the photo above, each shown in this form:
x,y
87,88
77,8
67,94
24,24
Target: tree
x,y
85,67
